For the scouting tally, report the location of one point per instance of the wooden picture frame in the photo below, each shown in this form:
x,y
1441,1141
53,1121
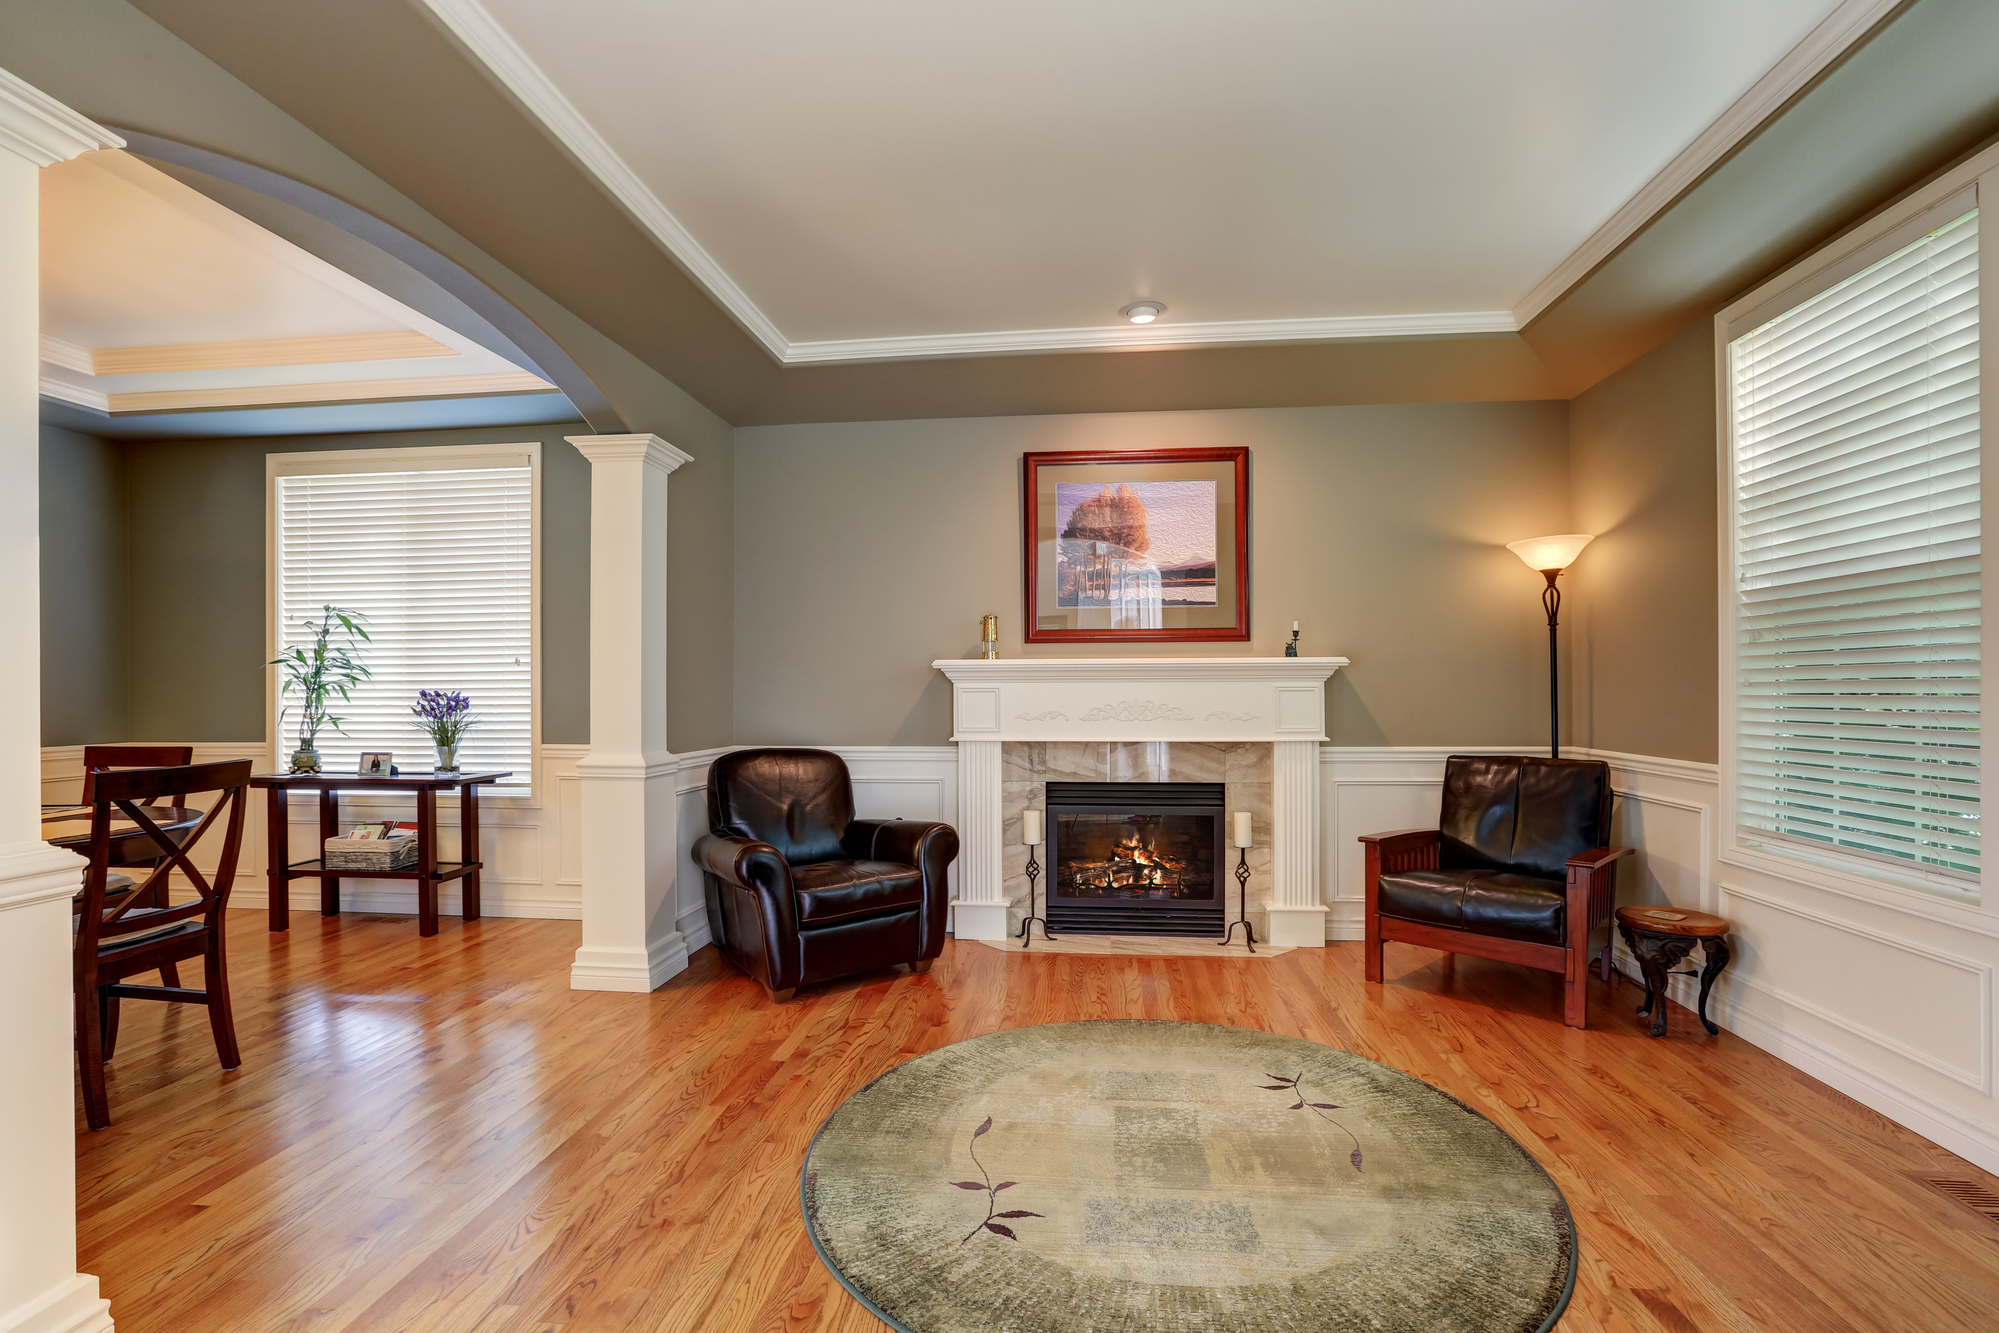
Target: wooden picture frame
x,y
1077,590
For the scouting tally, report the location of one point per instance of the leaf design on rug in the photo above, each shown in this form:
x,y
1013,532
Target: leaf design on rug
x,y
991,1190
1295,1085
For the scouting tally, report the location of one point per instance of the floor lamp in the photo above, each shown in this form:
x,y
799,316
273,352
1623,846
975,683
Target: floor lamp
x,y
1548,557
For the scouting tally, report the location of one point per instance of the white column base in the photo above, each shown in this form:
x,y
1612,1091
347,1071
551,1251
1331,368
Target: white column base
x,y
979,921
72,1307
1300,927
633,971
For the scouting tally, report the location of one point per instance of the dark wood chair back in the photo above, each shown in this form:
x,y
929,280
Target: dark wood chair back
x,y
114,942
98,758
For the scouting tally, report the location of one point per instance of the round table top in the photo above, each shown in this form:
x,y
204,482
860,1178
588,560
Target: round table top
x,y
1672,921
69,826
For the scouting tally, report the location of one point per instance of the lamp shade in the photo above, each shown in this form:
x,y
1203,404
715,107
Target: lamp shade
x,y
1558,552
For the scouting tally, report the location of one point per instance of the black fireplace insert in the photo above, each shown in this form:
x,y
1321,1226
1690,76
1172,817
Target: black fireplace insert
x,y
1136,858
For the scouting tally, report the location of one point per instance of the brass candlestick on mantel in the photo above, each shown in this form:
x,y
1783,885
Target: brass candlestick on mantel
x,y
989,635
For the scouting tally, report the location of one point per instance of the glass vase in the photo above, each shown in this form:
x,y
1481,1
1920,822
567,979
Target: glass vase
x,y
447,758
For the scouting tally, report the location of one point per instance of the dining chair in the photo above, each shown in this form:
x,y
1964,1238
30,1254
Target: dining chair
x,y
116,942
102,758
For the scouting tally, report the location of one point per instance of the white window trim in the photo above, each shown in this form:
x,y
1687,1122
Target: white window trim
x,y
1974,179
416,458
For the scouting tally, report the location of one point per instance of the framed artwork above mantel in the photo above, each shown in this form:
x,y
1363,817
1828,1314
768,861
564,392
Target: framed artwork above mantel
x,y
1137,545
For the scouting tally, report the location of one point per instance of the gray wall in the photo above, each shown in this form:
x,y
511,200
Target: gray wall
x,y
85,646
864,551
1643,458
195,518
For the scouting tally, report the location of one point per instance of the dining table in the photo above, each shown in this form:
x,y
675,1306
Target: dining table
x,y
69,826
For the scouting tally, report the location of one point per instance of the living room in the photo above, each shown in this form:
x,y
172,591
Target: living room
x,y
744,452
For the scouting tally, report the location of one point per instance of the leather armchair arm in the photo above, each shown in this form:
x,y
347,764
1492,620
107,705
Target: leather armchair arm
x,y
1597,857
909,842
746,865
930,847
1407,839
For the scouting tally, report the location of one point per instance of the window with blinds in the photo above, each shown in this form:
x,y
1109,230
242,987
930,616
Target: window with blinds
x,y
440,559
1856,530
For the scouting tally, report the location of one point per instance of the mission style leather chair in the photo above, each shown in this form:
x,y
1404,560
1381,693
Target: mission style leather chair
x,y
1518,871
799,891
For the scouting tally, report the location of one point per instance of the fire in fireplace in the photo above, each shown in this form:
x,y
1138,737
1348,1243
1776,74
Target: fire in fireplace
x,y
1136,858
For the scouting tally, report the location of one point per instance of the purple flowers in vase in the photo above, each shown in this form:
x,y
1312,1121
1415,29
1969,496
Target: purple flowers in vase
x,y
445,715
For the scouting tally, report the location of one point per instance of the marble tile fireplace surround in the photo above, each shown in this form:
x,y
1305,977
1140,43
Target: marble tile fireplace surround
x,y
1254,723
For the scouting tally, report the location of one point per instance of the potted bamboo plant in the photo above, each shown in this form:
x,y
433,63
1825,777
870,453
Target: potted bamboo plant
x,y
331,665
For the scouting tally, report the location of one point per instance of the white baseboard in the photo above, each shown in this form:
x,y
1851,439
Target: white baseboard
x,y
1299,927
979,921
633,971
73,1306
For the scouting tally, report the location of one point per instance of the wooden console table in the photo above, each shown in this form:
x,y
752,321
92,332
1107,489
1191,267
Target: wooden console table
x,y
429,871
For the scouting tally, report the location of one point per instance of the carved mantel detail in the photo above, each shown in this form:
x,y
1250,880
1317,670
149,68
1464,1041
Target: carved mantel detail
x,y
1137,710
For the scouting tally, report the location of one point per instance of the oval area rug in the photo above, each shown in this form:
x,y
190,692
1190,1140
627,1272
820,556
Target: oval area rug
x,y
1134,1175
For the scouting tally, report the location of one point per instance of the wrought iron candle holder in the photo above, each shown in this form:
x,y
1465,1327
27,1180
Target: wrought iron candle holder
x,y
1242,916
1033,873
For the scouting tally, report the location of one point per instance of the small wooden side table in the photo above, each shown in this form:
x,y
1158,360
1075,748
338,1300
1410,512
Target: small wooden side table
x,y
1661,938
429,872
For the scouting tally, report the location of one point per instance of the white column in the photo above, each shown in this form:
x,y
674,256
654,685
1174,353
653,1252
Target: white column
x,y
980,907
1297,916
630,942
40,1288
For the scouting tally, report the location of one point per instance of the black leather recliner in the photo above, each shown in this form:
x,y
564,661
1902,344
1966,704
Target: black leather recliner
x,y
1518,871
799,891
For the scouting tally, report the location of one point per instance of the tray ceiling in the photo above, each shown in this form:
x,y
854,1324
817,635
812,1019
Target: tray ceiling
x,y
156,299
890,180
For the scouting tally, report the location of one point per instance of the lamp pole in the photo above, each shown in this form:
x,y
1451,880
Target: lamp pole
x,y
1551,602
1548,557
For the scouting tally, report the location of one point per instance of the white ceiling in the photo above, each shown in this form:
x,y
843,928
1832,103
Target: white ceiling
x,y
889,178
155,298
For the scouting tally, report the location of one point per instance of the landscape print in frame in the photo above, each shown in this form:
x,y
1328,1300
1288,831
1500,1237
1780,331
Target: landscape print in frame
x,y
1136,545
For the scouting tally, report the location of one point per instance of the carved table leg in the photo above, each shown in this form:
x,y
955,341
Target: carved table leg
x,y
1717,959
1656,955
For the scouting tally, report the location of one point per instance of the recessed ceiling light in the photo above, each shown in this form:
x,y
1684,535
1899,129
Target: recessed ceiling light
x,y
1143,312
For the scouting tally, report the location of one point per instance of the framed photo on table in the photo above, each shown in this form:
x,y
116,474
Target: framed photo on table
x,y
377,764
1137,545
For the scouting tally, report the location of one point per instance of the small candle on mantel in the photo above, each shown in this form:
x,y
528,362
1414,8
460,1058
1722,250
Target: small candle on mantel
x,y
1030,827
1242,829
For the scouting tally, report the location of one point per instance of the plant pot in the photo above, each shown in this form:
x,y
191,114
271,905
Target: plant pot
x,y
305,759
447,759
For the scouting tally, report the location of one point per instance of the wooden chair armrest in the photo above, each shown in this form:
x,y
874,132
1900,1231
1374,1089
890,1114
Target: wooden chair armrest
x,y
1597,857
1402,838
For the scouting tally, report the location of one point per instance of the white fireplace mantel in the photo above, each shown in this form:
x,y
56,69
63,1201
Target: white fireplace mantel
x,y
1280,701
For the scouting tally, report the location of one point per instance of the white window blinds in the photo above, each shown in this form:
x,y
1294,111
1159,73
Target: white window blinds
x,y
441,563
1857,551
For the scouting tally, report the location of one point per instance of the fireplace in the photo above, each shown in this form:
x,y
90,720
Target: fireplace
x,y
1136,858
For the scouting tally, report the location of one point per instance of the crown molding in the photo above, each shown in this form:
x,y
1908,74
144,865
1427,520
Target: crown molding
x,y
519,75
68,355
42,130
1841,31
62,391
516,72
335,391
1139,337
393,345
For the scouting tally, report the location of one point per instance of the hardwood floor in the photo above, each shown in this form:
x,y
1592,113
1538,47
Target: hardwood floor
x,y
439,1135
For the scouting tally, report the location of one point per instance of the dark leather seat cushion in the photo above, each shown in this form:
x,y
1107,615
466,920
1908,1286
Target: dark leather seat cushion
x,y
1485,902
843,890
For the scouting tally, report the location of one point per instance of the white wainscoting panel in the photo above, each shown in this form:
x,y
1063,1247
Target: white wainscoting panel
x,y
529,848
1886,993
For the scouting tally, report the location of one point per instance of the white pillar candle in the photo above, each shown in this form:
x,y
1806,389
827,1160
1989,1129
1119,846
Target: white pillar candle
x,y
1242,838
1294,627
1030,827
